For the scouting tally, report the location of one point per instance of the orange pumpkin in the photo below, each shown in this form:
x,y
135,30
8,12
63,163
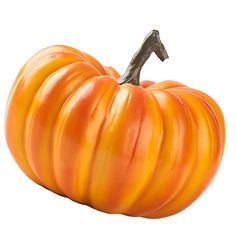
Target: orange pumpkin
x,y
141,149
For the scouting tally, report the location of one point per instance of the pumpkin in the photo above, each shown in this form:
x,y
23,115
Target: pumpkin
x,y
111,142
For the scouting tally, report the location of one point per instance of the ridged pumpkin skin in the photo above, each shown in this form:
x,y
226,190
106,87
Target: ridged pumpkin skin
x,y
147,150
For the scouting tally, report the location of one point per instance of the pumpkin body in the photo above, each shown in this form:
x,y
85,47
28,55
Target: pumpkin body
x,y
147,150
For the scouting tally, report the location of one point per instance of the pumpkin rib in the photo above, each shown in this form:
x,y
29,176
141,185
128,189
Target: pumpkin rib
x,y
176,182
215,111
67,74
213,116
205,101
136,201
58,128
136,141
97,141
175,206
109,92
131,155
152,91
129,191
212,138
105,158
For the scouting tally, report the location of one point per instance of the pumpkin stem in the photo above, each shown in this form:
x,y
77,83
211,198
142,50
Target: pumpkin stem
x,y
152,43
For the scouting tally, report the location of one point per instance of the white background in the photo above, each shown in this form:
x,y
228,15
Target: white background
x,y
200,37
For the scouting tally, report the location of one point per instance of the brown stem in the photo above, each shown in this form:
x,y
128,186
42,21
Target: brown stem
x,y
152,43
